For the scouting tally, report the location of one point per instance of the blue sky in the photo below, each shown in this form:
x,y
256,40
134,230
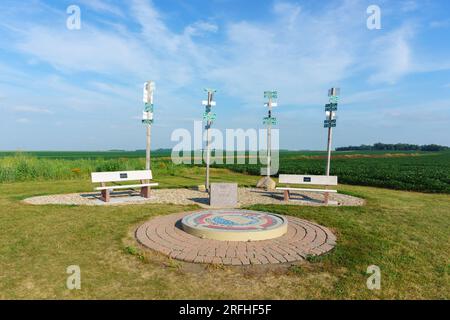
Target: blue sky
x,y
66,89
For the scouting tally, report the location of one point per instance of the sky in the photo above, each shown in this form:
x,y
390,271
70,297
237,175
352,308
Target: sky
x,y
63,89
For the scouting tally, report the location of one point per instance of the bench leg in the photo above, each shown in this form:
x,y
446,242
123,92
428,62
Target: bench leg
x,y
105,195
326,197
286,195
145,192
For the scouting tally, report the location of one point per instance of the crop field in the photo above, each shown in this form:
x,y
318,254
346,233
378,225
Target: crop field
x,y
401,170
413,171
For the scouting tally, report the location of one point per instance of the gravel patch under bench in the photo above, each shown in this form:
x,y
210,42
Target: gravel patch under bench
x,y
247,196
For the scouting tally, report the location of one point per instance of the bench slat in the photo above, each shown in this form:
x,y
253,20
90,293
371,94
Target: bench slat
x,y
128,186
115,176
308,179
307,190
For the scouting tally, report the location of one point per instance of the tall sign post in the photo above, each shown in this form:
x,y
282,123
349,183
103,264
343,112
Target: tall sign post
x,y
209,117
330,121
269,121
147,117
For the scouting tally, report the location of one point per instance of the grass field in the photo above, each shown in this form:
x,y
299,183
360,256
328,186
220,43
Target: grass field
x,y
405,233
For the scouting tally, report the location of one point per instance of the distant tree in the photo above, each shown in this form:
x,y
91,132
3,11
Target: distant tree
x,y
394,147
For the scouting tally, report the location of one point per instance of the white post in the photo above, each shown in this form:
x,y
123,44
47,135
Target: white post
x,y
208,152
269,140
330,136
330,108
149,88
147,153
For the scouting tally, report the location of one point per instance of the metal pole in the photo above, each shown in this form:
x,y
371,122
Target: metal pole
x,y
330,136
208,126
147,153
269,138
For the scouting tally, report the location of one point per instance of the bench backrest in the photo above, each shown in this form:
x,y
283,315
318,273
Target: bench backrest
x,y
308,179
115,176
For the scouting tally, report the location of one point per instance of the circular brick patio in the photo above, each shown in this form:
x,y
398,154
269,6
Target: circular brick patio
x,y
165,235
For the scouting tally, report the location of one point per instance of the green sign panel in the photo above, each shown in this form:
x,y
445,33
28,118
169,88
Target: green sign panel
x,y
270,120
208,116
329,123
334,99
148,107
331,107
271,94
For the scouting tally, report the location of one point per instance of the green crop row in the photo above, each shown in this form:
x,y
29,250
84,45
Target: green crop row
x,y
423,172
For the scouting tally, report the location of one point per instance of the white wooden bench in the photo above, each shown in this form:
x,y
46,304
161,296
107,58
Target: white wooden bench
x,y
144,176
289,179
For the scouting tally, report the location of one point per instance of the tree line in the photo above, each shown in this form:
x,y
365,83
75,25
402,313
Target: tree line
x,y
394,147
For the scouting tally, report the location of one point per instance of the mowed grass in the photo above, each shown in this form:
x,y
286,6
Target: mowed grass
x,y
406,234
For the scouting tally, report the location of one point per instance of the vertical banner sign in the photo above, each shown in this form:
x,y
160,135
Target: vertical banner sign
x,y
209,117
330,120
270,121
147,117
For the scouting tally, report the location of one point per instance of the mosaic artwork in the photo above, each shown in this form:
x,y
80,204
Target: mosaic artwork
x,y
234,220
234,225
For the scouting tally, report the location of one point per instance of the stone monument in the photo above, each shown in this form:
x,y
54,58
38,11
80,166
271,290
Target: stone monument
x,y
223,195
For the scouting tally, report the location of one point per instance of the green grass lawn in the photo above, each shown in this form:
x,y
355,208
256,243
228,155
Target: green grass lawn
x,y
406,234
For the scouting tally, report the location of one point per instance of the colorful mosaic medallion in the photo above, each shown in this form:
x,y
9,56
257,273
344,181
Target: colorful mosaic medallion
x,y
233,224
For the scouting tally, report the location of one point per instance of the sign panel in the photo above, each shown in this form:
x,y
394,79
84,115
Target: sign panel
x,y
270,120
329,123
331,107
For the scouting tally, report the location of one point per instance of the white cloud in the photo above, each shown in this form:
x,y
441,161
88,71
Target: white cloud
x,y
102,6
409,6
200,28
297,50
392,55
32,109
440,23
86,50
23,120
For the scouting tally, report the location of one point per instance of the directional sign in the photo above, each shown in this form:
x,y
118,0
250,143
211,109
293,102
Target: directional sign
x,y
148,107
334,99
329,123
271,94
274,104
331,107
270,120
208,116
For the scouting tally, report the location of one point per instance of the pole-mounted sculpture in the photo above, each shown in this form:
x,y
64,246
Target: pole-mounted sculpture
x,y
209,117
147,117
330,122
269,121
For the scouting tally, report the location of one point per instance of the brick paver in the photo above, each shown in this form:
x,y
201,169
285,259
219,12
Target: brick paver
x,y
303,238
